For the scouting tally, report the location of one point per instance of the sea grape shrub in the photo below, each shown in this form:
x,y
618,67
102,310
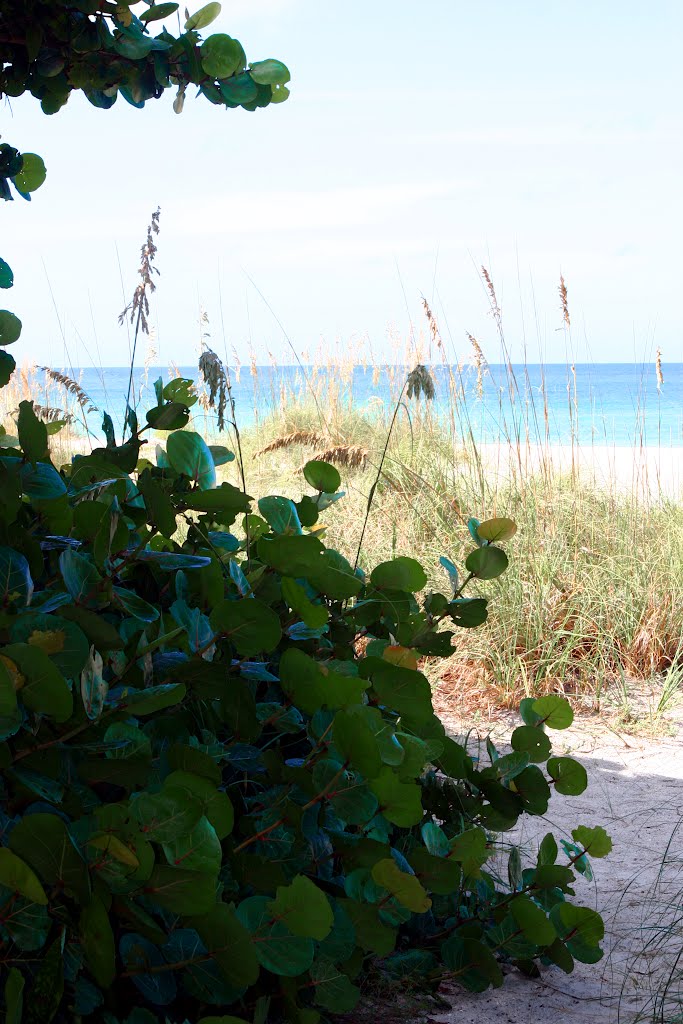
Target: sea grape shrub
x,y
214,798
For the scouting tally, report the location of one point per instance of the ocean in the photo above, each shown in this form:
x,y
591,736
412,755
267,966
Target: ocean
x,y
616,404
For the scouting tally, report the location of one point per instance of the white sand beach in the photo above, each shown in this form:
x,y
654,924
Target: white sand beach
x,y
647,471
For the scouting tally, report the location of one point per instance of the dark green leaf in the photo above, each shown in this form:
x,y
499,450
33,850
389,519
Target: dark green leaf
x,y
32,432
399,574
277,949
189,454
320,475
303,908
10,327
569,776
487,562
250,625
43,842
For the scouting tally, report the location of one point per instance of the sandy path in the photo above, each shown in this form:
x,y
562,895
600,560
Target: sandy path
x,y
636,792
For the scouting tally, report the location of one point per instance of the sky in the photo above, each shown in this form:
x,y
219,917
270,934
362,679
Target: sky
x,y
420,142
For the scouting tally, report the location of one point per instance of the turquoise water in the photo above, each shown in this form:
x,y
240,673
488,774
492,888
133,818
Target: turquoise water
x,y
608,403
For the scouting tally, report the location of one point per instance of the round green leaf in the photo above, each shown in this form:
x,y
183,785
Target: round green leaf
x,y
321,475
44,689
401,689
333,989
486,563
250,625
495,530
553,711
10,327
15,581
399,574
32,173
216,805
274,72
533,921
277,949
6,275
44,842
594,841
189,454
303,908
224,934
18,877
280,514
97,940
473,963
569,776
172,416
403,886
199,849
7,367
222,1020
165,817
581,929
63,641
158,12
533,741
468,612
280,93
203,17
351,801
222,56
399,802
355,740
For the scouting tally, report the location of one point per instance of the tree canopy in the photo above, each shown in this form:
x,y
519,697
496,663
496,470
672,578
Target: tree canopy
x,y
50,48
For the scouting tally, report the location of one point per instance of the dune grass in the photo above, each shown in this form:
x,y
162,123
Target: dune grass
x,y
593,599
594,595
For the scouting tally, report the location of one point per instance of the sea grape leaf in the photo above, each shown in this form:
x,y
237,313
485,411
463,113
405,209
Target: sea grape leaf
x,y
44,689
356,741
15,577
189,454
14,996
533,921
303,908
277,949
97,939
141,957
486,563
399,802
251,626
401,689
401,573
180,891
533,741
404,886
322,476
45,844
333,989
569,776
495,530
197,850
594,841
230,944
554,711
19,877
216,804
32,432
165,817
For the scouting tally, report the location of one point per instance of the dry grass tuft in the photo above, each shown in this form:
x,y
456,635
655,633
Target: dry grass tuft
x,y
72,387
565,304
350,456
306,438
